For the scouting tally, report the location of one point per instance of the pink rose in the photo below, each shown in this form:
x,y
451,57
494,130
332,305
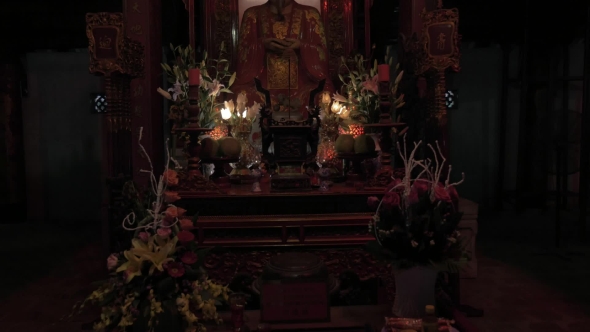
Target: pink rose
x,y
441,194
373,202
185,236
391,200
144,236
164,232
174,212
186,224
189,258
112,262
170,177
171,196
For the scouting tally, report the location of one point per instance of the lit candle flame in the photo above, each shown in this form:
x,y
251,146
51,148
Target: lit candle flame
x,y
225,113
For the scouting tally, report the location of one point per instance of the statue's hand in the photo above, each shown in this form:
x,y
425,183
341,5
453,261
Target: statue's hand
x,y
294,44
275,45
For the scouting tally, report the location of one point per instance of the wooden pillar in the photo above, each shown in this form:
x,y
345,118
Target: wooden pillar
x,y
585,148
143,23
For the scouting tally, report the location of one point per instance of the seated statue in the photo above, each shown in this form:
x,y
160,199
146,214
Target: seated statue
x,y
283,44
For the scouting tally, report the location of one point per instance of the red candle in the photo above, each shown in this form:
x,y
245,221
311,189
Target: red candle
x,y
194,76
383,72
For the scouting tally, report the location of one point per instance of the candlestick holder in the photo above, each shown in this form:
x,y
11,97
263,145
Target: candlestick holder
x,y
384,175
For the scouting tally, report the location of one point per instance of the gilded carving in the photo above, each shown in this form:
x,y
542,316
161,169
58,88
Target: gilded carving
x,y
136,29
438,47
135,7
138,91
105,43
336,38
223,27
290,148
278,72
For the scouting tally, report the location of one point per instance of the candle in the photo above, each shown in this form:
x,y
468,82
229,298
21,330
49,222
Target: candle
x,y
194,76
383,72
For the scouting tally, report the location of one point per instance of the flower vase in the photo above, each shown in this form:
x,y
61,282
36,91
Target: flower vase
x,y
415,289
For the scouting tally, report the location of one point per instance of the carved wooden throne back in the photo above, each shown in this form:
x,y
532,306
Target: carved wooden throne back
x,y
221,24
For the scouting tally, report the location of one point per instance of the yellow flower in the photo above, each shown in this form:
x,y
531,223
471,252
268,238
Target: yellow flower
x,y
158,256
132,266
126,320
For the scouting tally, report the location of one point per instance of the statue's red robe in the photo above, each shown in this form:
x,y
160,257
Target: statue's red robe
x,y
308,67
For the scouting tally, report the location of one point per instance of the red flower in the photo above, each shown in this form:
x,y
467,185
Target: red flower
x,y
185,236
441,194
175,270
186,224
189,258
391,200
171,196
421,187
174,212
373,202
170,177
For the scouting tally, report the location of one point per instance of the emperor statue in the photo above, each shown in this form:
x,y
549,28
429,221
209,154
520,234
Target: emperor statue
x,y
283,44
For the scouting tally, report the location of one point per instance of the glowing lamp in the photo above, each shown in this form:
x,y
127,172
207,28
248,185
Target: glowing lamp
x,y
225,113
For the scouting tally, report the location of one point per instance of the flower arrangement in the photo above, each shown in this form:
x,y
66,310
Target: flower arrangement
x,y
361,88
215,79
238,115
160,277
416,220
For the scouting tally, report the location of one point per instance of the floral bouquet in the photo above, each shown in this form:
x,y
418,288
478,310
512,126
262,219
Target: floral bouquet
x,y
416,220
238,115
215,79
158,283
361,89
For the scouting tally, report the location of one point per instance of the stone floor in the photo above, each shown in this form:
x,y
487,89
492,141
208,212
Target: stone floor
x,y
46,270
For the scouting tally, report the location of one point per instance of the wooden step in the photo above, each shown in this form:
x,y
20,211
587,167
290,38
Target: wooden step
x,y
332,219
335,229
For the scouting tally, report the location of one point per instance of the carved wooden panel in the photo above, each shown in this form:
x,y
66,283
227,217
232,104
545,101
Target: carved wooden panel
x,y
105,42
221,25
438,47
338,22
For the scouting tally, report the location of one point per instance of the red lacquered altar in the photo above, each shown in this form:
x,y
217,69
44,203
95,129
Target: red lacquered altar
x,y
332,224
